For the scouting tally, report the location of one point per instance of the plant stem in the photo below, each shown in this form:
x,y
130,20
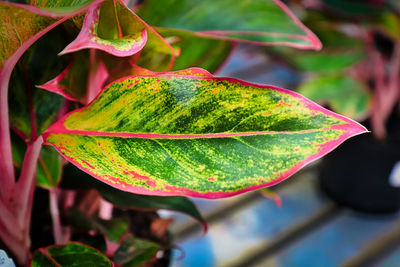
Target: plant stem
x,y
60,237
6,165
22,197
8,220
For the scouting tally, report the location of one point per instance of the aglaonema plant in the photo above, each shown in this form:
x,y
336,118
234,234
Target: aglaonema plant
x,y
136,107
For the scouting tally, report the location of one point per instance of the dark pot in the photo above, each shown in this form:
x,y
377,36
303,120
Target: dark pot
x,y
356,174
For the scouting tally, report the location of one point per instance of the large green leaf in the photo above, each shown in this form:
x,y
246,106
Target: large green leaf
x,y
258,21
197,136
342,93
72,254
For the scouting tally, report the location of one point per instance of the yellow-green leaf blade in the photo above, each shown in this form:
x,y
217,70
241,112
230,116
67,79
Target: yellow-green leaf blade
x,y
197,136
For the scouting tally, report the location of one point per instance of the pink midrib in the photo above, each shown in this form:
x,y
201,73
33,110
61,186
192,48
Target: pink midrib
x,y
59,129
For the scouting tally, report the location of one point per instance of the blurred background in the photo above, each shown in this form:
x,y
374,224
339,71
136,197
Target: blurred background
x,y
342,210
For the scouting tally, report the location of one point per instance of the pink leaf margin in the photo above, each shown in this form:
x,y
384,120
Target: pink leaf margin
x,y
352,128
55,87
87,39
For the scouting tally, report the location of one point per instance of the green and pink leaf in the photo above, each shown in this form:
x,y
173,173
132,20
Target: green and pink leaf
x,y
268,22
196,136
112,27
82,80
70,254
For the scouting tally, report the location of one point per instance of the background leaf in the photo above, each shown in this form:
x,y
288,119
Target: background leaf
x,y
75,178
195,50
342,93
135,252
72,254
30,107
259,21
48,171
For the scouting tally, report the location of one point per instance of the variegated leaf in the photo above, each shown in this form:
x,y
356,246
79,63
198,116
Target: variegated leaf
x,y
197,136
82,80
112,27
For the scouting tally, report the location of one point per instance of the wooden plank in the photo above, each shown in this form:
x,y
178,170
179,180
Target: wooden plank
x,y
379,250
231,239
334,243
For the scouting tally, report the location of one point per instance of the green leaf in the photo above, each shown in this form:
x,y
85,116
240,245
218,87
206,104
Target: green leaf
x,y
114,229
111,27
48,171
72,254
31,108
195,50
82,80
258,21
135,252
353,7
326,61
77,179
175,203
342,93
196,136
61,6
17,26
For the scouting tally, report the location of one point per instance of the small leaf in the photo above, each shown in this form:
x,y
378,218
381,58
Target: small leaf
x,y
342,93
72,254
48,171
101,30
115,29
82,80
255,21
135,252
114,229
268,193
196,136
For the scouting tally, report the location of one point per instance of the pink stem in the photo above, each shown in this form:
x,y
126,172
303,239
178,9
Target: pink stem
x,y
105,210
60,237
15,245
379,97
8,221
26,183
6,164
15,230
